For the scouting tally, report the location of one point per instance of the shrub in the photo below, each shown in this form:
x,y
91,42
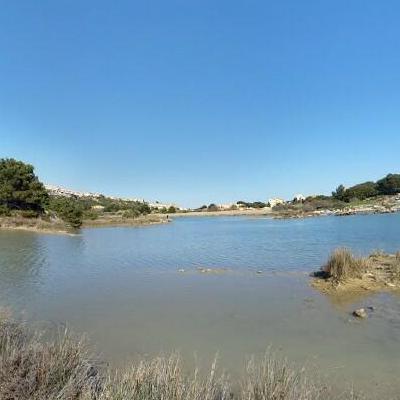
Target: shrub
x,y
343,265
32,370
133,213
274,379
4,211
90,214
361,191
68,209
163,378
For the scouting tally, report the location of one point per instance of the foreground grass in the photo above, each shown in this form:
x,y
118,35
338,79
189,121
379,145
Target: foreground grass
x,y
32,368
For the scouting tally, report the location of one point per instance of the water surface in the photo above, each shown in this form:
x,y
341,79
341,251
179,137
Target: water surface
x,y
123,287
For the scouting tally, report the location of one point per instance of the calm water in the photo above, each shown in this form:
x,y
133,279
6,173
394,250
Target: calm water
x,y
122,286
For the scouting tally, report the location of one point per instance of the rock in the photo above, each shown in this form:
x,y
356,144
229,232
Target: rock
x,y
360,313
371,308
390,284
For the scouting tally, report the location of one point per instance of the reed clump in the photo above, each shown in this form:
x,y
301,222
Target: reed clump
x,y
32,368
343,265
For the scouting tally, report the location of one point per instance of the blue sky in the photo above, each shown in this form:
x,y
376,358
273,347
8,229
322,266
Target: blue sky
x,y
201,101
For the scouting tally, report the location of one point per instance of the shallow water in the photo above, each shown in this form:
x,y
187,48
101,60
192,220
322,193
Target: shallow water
x,y
123,287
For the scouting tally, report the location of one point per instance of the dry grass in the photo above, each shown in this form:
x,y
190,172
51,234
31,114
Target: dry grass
x,y
274,378
62,369
163,378
343,265
33,370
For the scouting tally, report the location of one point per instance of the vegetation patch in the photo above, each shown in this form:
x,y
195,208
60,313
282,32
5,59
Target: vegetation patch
x,y
26,204
344,273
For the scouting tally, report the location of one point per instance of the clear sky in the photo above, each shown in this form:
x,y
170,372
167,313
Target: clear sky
x,y
201,101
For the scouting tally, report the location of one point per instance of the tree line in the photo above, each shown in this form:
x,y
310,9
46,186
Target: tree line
x,y
22,193
389,185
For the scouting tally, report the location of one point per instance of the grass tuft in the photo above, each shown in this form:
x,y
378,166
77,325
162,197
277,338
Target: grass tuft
x,y
32,370
342,265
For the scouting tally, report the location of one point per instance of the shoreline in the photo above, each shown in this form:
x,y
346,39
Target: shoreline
x,y
58,227
290,214
225,213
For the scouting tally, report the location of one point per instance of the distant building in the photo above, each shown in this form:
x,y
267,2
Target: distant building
x,y
160,206
98,207
62,192
274,202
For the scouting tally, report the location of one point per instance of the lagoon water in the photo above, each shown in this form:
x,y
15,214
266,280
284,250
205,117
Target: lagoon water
x,y
123,287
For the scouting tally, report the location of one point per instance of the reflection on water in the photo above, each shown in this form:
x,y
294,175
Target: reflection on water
x,y
122,285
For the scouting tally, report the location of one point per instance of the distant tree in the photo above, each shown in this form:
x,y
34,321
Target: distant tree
x,y
390,184
171,210
212,207
20,188
339,193
258,204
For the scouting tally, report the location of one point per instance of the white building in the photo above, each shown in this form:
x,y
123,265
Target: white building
x,y
274,202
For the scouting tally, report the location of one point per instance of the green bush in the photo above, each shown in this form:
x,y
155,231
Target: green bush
x,y
4,211
361,191
90,214
68,209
